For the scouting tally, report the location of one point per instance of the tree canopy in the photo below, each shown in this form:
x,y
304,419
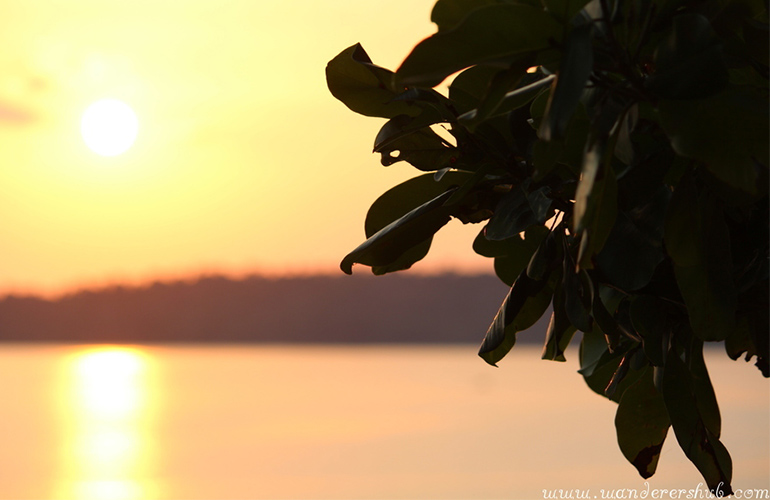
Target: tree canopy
x,y
616,153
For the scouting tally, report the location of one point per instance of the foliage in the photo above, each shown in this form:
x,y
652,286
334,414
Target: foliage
x,y
617,152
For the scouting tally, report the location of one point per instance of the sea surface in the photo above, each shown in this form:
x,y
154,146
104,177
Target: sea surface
x,y
332,422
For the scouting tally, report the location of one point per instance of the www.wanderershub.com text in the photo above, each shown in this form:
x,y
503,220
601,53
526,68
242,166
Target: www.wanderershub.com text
x,y
646,492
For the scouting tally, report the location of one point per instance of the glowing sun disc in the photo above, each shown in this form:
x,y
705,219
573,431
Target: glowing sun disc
x,y
109,127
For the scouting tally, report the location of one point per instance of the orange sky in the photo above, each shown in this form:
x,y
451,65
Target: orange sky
x,y
244,162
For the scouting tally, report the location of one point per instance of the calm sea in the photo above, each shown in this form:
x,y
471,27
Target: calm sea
x,y
309,422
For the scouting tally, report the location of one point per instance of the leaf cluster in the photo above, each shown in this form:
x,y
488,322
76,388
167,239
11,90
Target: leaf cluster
x,y
616,153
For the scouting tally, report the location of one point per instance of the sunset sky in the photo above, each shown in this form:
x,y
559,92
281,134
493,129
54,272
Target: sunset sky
x,y
244,163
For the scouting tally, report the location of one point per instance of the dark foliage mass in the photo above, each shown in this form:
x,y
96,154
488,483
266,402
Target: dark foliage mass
x,y
617,153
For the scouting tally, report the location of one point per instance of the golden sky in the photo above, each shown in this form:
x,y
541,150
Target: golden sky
x,y
243,163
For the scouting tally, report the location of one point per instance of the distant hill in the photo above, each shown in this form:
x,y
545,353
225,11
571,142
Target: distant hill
x,y
317,309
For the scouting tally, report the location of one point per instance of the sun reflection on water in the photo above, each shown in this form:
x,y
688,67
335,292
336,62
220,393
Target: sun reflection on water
x,y
108,410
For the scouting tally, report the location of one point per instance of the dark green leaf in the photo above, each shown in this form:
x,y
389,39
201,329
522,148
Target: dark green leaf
x,y
489,35
400,126
564,10
516,252
628,260
447,14
511,101
595,201
750,339
578,294
513,254
544,259
517,211
645,178
524,305
698,241
544,158
689,62
423,149
388,244
574,70
703,390
700,445
560,331
400,223
537,108
365,88
599,366
606,322
469,87
642,423
501,83
727,131
593,349
620,374
636,238
650,320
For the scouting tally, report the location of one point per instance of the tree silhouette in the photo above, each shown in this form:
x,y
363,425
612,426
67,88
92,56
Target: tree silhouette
x,y
617,152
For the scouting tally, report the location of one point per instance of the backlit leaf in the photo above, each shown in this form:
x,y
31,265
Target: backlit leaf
x,y
641,423
701,446
522,307
574,70
400,224
496,34
364,87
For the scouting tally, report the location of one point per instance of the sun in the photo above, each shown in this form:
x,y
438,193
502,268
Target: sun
x,y
109,127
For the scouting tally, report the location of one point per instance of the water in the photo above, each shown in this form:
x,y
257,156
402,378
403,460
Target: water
x,y
401,422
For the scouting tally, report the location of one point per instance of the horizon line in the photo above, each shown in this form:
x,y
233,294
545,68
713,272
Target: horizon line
x,y
190,278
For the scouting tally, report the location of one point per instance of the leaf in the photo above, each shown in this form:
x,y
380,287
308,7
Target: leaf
x,y
620,373
744,340
595,201
644,179
469,87
689,62
727,132
517,211
703,390
593,349
599,366
628,259
523,306
641,423
605,321
564,10
496,93
510,101
578,294
516,252
575,68
560,331
544,158
700,445
649,318
402,125
402,221
544,259
391,242
423,149
365,88
513,254
495,34
698,241
631,253
447,14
